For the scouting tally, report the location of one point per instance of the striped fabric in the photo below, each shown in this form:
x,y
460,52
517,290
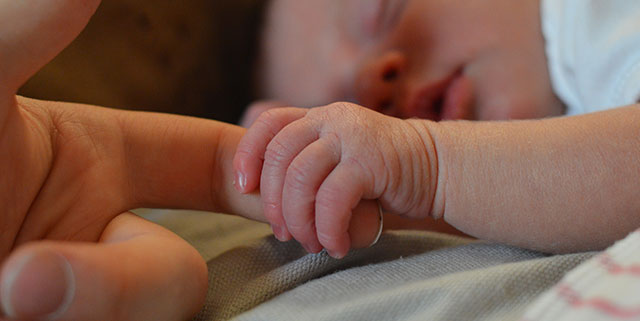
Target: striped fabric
x,y
606,287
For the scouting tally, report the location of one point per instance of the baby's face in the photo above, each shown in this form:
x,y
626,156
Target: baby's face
x,y
435,59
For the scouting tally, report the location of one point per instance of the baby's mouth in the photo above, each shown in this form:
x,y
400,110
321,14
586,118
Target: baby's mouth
x,y
438,105
457,98
447,99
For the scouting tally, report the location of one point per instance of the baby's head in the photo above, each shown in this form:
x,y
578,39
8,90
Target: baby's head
x,y
436,59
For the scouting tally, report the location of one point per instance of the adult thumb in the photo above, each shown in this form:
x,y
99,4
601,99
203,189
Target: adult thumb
x,y
138,271
32,32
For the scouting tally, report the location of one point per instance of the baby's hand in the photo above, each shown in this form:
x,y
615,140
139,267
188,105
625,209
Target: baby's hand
x,y
315,165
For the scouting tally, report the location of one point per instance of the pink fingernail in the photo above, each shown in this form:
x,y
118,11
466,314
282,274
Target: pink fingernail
x,y
279,233
309,249
315,248
240,181
335,255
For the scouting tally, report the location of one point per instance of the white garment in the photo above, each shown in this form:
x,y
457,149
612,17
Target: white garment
x,y
593,51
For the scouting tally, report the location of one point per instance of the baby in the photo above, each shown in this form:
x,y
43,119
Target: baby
x,y
556,184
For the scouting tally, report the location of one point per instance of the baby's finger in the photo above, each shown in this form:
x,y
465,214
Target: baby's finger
x,y
337,197
281,151
247,161
32,32
304,176
256,109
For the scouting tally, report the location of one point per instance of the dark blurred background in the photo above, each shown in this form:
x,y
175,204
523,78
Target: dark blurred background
x,y
192,57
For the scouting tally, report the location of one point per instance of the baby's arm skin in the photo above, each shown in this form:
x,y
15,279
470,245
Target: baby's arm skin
x,y
557,185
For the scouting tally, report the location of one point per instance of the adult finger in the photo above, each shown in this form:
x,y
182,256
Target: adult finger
x,y
337,197
32,32
247,162
303,179
157,160
138,271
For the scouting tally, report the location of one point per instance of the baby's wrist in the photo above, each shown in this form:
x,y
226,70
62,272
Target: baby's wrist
x,y
424,149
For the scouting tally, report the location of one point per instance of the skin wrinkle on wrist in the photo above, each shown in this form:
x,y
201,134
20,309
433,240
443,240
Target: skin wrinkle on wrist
x,y
422,129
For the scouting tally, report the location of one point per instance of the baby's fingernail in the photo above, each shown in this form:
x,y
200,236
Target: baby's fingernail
x,y
310,249
335,254
279,232
313,248
240,181
41,285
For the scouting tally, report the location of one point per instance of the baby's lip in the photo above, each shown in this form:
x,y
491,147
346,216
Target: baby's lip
x,y
449,98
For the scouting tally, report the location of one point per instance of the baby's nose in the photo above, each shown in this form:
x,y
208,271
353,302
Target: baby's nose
x,y
377,84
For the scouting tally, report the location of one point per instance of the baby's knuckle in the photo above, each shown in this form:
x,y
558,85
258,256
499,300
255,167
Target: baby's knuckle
x,y
328,200
272,210
319,113
266,121
297,176
272,118
329,239
300,229
276,152
362,166
343,105
245,151
270,114
332,110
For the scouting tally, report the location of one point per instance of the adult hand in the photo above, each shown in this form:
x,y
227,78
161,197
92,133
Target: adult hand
x,y
70,174
71,250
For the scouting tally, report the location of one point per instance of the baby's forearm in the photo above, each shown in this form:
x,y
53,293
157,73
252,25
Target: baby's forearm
x,y
558,185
